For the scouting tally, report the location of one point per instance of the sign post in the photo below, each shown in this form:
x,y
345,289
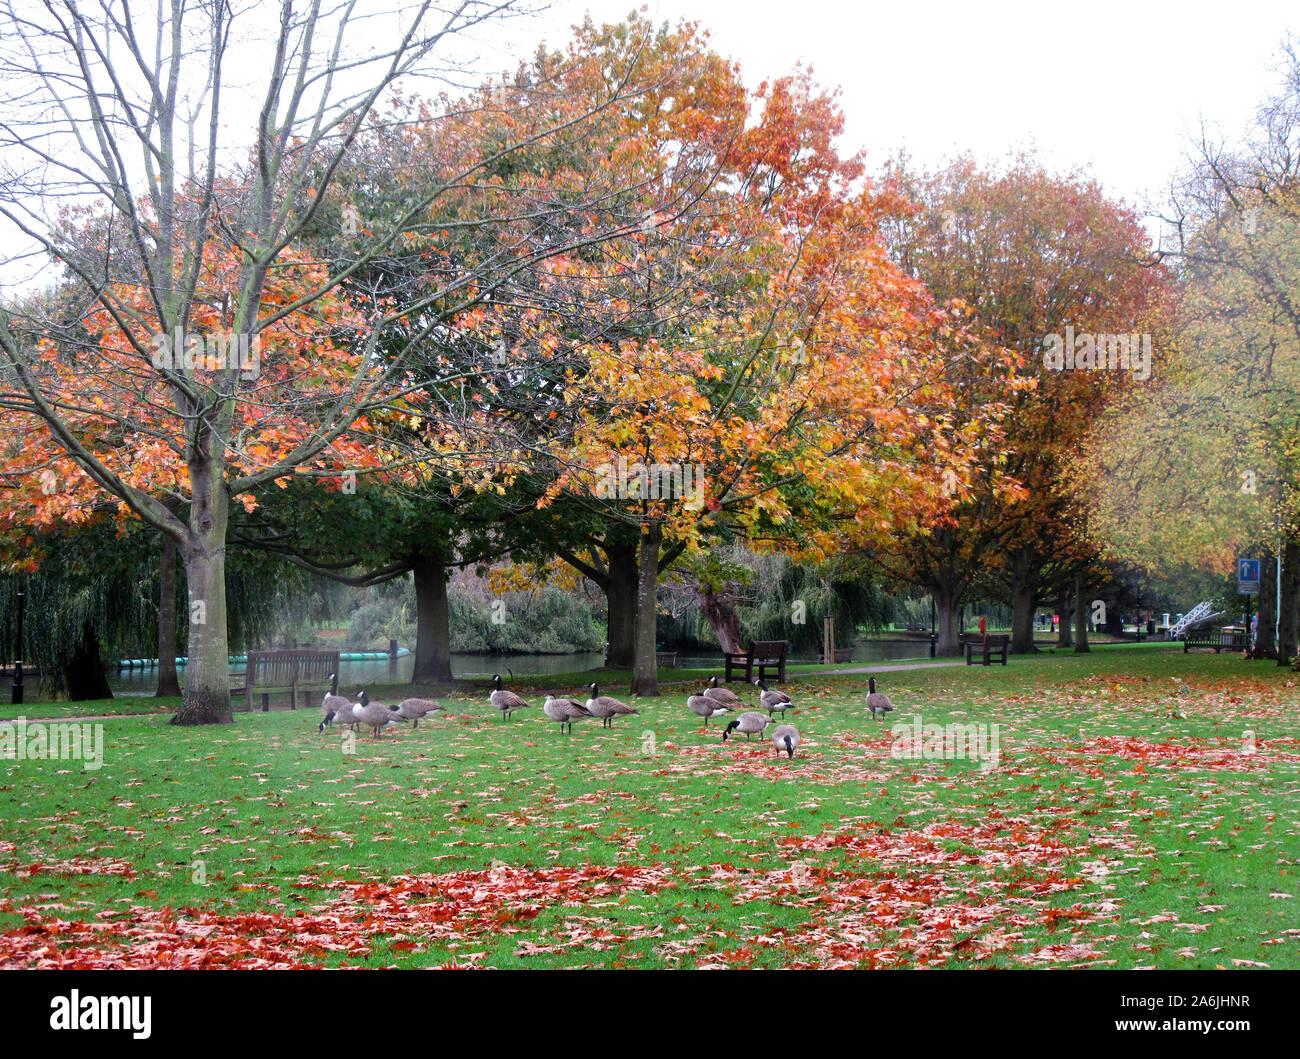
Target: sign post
x,y
1248,585
1247,577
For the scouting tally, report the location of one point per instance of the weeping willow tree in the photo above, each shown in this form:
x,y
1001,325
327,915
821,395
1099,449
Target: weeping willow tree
x,y
768,597
799,597
96,598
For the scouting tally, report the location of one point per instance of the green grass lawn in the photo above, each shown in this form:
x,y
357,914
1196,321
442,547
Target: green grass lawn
x,y
1110,832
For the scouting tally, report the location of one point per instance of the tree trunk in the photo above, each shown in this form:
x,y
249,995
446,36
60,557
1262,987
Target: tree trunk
x,y
432,622
621,599
947,606
1286,632
1024,593
721,615
83,673
207,672
1063,638
1266,631
645,675
168,684
1080,617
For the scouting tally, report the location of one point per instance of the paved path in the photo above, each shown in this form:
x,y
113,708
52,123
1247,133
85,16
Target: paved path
x,y
810,675
876,669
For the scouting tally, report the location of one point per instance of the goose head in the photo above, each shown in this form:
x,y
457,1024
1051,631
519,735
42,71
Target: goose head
x,y
871,686
365,699
730,728
595,691
496,679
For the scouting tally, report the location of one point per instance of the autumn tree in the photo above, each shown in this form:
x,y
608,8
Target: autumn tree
x,y
175,204
1216,476
1036,258
760,345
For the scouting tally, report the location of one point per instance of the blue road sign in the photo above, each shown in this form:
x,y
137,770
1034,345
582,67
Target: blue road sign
x,y
1247,577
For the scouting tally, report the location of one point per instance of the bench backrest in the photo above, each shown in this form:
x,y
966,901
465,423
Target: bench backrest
x,y
994,638
279,669
774,649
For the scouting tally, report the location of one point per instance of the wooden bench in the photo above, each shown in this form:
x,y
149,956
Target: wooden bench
x,y
842,654
1219,639
291,671
666,659
767,656
986,648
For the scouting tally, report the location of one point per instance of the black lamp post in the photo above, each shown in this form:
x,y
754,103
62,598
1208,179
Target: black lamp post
x,y
17,699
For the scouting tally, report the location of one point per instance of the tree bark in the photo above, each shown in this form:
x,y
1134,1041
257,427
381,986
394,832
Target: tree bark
x,y
168,683
1286,632
432,621
721,615
1063,612
1266,601
1080,617
207,672
1024,594
83,673
621,601
947,606
645,674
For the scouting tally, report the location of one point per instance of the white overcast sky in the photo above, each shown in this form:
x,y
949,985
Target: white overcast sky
x,y
1117,87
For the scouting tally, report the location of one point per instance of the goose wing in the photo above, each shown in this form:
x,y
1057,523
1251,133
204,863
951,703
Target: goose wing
x,y
507,700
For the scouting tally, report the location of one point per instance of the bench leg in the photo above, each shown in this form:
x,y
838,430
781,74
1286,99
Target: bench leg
x,y
266,702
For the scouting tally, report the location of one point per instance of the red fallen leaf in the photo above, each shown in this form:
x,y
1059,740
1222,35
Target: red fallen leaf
x,y
460,905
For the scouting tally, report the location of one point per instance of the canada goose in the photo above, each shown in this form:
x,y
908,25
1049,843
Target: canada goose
x,y
335,707
725,696
505,701
374,714
706,707
877,702
750,723
413,709
773,701
564,711
786,737
605,708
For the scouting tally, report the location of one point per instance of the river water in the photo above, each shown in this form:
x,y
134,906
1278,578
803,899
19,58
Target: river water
x,y
356,674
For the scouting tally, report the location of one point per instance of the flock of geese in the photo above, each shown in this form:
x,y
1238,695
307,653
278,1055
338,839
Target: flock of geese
x,y
713,701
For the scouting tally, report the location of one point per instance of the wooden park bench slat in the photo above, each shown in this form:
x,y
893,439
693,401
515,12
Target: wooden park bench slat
x,y
766,656
291,671
986,648
1233,640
